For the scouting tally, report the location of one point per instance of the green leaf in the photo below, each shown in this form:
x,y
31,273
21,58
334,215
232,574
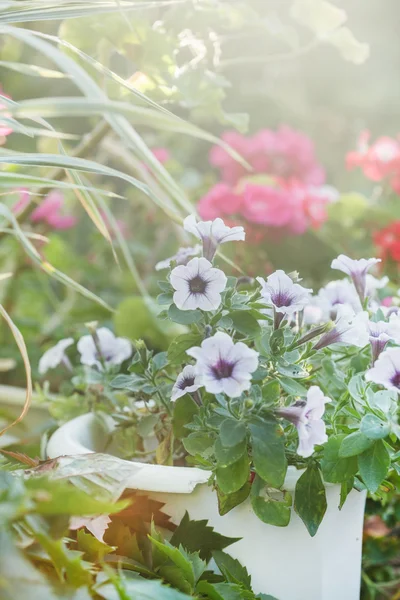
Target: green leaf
x,y
232,432
244,322
277,342
270,505
345,490
140,589
198,536
231,569
374,428
310,499
199,443
185,409
220,591
184,317
93,549
230,479
177,350
179,558
374,464
227,456
357,386
334,468
268,446
226,502
354,444
271,391
292,387
132,383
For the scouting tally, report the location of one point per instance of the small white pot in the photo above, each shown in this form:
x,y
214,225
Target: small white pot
x,y
284,562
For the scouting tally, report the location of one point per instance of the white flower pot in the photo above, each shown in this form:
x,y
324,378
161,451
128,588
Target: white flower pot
x,y
284,562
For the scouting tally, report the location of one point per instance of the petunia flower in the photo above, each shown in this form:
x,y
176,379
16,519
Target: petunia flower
x,y
386,370
306,415
181,257
55,355
285,296
357,270
225,367
212,233
188,381
380,333
197,285
103,349
5,128
350,329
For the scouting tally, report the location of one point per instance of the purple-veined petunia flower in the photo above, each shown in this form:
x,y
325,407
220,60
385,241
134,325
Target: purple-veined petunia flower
x,y
188,381
306,415
55,355
285,296
197,285
357,270
103,349
386,370
380,333
213,233
182,257
350,329
225,367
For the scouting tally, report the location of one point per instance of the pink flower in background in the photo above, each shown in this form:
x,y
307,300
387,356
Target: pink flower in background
x,y
266,205
286,154
161,154
5,129
221,200
378,160
49,211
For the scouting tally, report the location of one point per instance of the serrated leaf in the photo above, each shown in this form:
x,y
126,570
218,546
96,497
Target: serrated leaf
x,y
198,536
179,558
310,499
232,570
220,591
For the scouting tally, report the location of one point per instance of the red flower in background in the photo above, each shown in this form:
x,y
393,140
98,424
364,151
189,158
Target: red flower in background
x,y
378,161
388,241
48,212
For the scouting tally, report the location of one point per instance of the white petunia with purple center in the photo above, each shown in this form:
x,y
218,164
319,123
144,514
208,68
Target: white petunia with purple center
x,y
283,295
386,370
103,349
225,367
306,415
180,258
380,333
350,329
198,285
213,233
188,382
357,270
55,356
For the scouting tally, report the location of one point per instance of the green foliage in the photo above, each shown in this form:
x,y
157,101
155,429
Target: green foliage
x,y
310,499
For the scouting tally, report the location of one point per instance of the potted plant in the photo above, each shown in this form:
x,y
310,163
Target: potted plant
x,y
271,417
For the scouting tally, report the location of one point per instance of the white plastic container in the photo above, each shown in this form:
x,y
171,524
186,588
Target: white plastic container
x,y
284,562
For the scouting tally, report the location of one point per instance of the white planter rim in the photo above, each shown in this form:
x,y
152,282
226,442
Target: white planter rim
x,y
73,438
